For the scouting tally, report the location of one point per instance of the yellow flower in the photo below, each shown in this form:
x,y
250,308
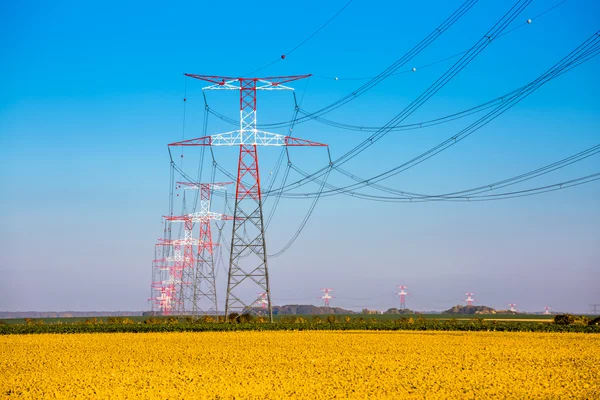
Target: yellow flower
x,y
301,364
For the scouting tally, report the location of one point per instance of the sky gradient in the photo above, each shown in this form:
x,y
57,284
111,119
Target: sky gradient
x,y
91,94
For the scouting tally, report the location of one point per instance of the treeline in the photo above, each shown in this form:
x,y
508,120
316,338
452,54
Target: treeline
x,y
293,323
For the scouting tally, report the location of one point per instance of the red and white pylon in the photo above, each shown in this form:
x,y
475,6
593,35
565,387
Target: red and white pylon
x,y
198,292
513,307
160,288
263,300
168,289
326,297
162,300
402,294
469,300
547,310
248,256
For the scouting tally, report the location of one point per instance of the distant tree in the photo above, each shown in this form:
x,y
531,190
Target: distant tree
x,y
246,318
568,319
459,309
396,311
233,317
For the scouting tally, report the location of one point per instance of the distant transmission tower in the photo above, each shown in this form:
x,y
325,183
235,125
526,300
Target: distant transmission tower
x,y
177,264
513,307
162,284
248,257
594,308
469,299
263,300
326,297
168,290
198,292
547,310
160,288
402,294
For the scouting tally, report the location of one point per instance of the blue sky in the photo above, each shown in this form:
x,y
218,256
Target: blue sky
x,y
92,93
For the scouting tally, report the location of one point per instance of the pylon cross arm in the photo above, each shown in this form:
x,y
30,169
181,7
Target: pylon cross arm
x,y
233,83
247,137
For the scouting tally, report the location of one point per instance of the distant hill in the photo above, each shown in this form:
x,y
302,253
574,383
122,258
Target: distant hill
x,y
66,314
470,310
305,309
397,311
291,309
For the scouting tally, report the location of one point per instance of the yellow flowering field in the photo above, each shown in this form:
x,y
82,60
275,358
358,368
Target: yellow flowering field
x,y
317,364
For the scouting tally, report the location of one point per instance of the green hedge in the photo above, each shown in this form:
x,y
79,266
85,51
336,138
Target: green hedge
x,y
197,326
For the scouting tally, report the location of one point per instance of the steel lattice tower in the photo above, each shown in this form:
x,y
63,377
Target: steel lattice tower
x,y
159,296
177,263
167,277
326,297
198,283
469,299
402,294
161,283
248,256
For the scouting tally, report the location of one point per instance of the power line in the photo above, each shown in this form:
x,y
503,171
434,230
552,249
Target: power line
x,y
465,60
282,57
578,56
304,221
475,50
422,45
418,68
314,116
463,194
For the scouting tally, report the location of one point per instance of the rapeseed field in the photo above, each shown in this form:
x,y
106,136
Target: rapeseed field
x,y
301,364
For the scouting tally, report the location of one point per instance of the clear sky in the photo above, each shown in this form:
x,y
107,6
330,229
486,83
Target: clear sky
x,y
91,93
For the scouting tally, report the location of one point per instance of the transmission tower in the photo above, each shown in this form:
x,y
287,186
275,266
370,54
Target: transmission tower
x,y
402,294
326,297
198,283
170,289
547,310
513,307
187,264
178,264
594,308
161,288
248,256
469,298
263,300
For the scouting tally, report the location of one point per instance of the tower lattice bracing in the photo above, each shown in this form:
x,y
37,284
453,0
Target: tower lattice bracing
x,y
248,267
197,286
